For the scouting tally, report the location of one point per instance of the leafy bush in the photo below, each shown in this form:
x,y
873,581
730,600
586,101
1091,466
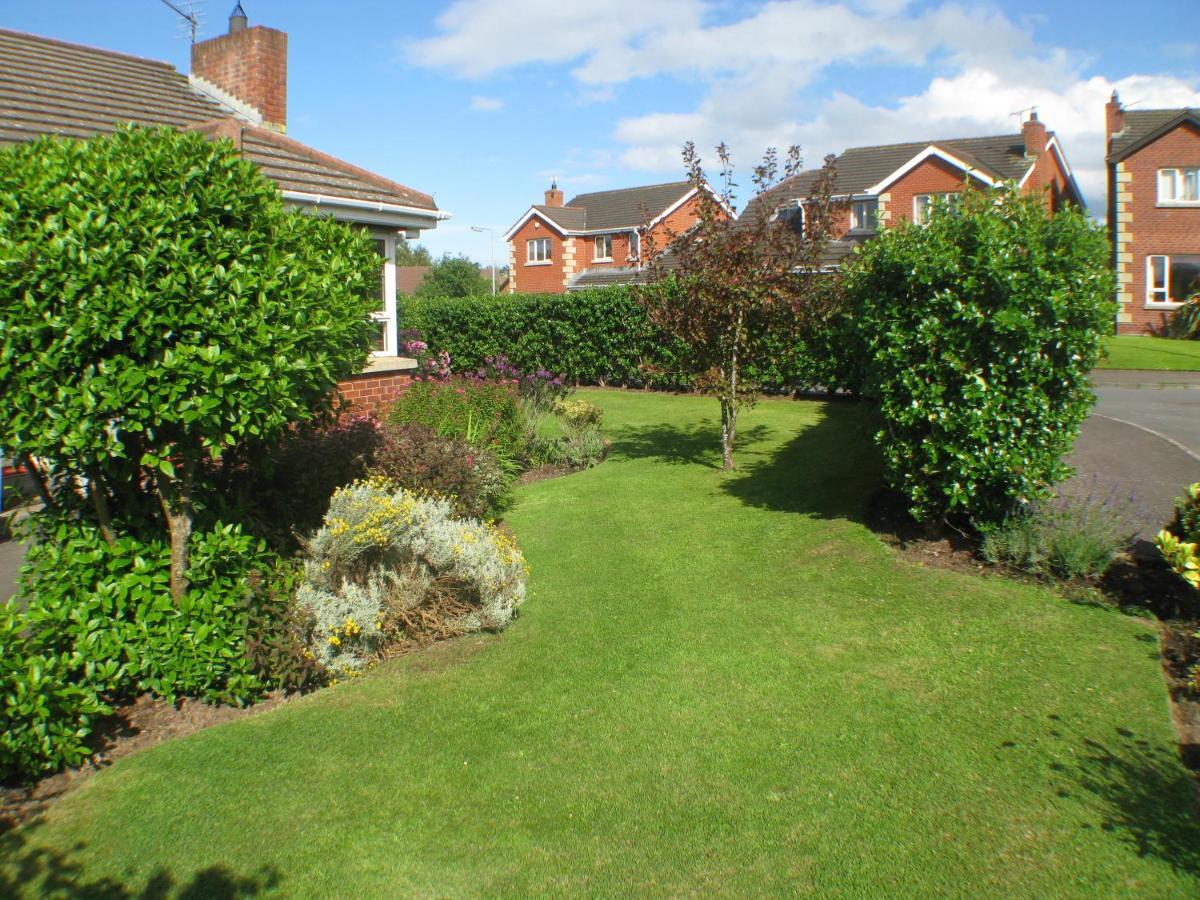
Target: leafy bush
x,y
582,444
391,567
598,336
484,414
1185,321
108,609
46,716
976,333
1066,539
1180,543
417,458
277,632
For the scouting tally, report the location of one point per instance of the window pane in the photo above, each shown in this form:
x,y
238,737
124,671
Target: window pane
x,y
1158,271
1189,185
379,341
1184,276
1166,184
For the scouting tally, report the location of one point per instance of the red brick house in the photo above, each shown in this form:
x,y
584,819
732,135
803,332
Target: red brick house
x,y
596,239
237,90
1153,211
879,186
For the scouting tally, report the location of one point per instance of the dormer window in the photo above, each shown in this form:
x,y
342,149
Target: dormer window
x,y
1179,185
603,248
863,214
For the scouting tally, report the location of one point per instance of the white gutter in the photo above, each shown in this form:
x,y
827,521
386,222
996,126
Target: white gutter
x,y
373,205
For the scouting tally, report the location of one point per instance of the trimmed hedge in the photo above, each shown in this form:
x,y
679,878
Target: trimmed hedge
x,y
598,336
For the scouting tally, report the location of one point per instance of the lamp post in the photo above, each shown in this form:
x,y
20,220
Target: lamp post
x,y
492,242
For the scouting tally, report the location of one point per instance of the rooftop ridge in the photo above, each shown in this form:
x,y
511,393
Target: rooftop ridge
x,y
639,187
90,49
1017,136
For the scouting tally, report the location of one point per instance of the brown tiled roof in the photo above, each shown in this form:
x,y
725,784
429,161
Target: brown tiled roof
x,y
409,278
568,218
1143,125
49,87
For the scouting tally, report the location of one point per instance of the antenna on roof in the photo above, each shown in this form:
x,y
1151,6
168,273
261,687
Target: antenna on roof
x,y
1020,113
189,13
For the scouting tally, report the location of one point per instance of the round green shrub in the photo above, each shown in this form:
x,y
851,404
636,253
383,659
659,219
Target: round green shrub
x,y
975,334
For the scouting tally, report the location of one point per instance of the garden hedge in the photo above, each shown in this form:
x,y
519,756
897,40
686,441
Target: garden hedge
x,y
598,336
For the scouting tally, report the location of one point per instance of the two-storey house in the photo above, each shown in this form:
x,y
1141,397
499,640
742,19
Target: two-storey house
x,y
880,186
1153,211
596,239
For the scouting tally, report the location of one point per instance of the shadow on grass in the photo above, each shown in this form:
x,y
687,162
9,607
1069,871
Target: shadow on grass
x,y
1149,799
828,470
27,870
698,445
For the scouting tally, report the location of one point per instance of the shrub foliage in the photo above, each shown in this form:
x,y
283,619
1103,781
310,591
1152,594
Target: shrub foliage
x,y
1180,543
975,334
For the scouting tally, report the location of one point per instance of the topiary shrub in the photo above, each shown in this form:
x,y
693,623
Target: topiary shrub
x,y
392,568
976,333
417,458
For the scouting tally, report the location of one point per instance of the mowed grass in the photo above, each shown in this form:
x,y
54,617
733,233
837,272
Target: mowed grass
x,y
720,683
1135,351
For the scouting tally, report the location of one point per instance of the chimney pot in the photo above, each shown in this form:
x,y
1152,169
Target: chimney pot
x,y
1114,116
237,19
554,197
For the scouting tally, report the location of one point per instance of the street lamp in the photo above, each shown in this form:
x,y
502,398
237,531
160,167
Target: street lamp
x,y
492,241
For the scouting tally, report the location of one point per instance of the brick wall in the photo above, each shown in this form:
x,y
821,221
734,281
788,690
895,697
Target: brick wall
x,y
374,390
933,176
251,65
538,278
1143,228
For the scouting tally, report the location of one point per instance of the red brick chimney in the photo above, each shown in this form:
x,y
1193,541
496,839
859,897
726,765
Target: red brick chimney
x,y
1114,116
249,65
554,197
1034,133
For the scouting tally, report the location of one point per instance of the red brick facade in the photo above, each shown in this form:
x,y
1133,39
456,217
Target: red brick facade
x,y
572,254
252,66
374,390
1141,227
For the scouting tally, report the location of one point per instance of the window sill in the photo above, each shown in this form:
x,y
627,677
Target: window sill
x,y
1178,204
544,262
388,362
602,259
1169,305
861,232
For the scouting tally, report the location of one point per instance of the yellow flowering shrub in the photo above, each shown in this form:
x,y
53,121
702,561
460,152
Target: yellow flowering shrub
x,y
389,563
1180,544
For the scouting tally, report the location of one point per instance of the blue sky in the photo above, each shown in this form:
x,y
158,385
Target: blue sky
x,y
480,102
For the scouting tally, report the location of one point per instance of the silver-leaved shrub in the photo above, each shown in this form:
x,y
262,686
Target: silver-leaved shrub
x,y
390,567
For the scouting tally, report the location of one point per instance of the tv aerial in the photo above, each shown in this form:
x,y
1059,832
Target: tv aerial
x,y
189,14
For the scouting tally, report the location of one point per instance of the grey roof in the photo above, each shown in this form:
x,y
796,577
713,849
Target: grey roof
x,y
859,168
566,217
1144,125
49,87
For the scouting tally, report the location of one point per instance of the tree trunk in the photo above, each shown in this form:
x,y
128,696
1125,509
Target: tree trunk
x,y
175,495
99,495
39,482
728,431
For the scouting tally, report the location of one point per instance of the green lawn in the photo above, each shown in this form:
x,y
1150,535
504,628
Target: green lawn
x,y
720,684
1134,351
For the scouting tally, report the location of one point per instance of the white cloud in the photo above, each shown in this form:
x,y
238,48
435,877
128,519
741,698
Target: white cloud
x,y
754,69
486,104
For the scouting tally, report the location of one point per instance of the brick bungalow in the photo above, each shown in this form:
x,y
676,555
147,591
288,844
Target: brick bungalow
x,y
1153,211
880,186
237,90
597,238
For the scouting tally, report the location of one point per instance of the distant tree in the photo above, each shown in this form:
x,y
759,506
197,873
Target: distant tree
x,y
412,254
454,276
158,305
725,287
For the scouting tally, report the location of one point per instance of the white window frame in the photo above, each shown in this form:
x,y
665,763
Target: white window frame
x,y
608,240
1175,179
635,244
865,227
535,258
918,218
1165,290
388,314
